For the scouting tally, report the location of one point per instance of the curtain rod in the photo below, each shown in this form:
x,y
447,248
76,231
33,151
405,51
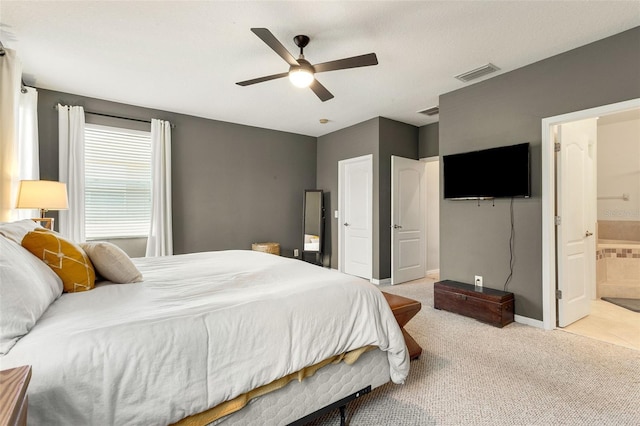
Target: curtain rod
x,y
140,120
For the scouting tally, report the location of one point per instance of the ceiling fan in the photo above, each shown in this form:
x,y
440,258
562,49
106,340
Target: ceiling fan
x,y
301,72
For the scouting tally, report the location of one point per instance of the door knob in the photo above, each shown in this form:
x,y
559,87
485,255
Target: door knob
x,y
397,227
346,224
588,234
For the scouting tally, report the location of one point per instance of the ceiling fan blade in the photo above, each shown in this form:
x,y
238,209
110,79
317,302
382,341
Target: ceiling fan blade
x,y
320,90
271,41
262,79
353,62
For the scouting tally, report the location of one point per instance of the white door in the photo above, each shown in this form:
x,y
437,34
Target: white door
x,y
355,218
408,217
577,211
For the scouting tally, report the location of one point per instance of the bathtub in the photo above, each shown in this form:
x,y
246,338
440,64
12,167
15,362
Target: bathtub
x,y
623,244
618,269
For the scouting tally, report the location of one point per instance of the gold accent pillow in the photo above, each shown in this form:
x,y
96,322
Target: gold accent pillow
x,y
65,258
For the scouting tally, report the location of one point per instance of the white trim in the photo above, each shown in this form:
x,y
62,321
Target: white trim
x,y
429,213
430,159
386,281
549,314
528,321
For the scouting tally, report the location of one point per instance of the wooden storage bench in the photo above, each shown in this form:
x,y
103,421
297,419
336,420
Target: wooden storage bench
x,y
494,307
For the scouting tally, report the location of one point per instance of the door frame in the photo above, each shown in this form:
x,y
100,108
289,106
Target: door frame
x,y
341,203
427,183
549,243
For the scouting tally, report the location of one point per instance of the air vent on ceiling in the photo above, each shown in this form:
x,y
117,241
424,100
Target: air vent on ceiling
x,y
431,111
477,73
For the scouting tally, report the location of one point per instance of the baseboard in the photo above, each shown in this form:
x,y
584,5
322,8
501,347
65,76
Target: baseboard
x,y
433,272
528,321
385,281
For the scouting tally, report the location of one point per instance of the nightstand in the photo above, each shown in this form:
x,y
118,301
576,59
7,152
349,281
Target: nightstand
x,y
13,395
273,248
46,222
403,310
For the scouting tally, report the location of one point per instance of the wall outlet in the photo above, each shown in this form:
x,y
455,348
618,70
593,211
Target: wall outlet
x,y
296,253
478,281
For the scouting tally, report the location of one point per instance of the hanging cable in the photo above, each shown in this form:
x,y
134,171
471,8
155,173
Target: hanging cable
x,y
511,248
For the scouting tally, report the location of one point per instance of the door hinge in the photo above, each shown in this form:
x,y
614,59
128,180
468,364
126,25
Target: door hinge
x,y
557,220
558,294
556,147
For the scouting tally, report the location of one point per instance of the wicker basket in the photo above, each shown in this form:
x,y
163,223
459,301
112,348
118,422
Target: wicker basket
x,y
273,248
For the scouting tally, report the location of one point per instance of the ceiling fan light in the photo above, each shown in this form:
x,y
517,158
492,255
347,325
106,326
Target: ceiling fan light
x,y
300,77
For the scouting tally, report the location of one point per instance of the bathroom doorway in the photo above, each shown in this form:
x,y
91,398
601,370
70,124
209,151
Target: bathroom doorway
x,y
617,225
617,279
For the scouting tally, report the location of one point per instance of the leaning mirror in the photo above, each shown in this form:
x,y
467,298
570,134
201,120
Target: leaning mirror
x,y
313,226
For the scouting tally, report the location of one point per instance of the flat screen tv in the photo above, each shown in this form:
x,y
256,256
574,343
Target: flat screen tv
x,y
489,173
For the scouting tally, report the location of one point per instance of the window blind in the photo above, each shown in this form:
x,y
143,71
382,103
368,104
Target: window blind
x,y
117,182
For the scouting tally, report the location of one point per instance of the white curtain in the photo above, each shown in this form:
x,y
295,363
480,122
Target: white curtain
x,y
160,241
10,76
71,170
28,153
18,136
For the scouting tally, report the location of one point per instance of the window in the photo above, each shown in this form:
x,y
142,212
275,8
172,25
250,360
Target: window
x,y
117,182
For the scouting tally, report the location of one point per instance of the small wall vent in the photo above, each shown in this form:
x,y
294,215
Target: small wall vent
x,y
477,73
431,111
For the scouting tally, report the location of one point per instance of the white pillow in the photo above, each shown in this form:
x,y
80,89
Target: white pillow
x,y
111,262
16,231
27,288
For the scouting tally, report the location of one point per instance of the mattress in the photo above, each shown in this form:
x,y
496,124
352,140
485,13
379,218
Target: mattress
x,y
298,399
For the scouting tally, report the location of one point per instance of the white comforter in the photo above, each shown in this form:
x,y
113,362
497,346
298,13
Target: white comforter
x,y
201,329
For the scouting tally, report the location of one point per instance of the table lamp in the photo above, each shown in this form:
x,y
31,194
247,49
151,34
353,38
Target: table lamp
x,y
43,195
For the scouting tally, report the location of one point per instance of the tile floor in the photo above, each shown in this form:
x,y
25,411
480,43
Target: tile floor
x,y
609,323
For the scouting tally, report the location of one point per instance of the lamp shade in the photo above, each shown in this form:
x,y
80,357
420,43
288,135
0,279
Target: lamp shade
x,y
42,194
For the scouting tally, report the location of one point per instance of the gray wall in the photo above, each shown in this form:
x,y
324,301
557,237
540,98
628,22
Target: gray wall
x,y
383,138
354,141
508,109
428,140
232,184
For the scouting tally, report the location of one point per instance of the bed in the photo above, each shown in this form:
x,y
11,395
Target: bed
x,y
204,329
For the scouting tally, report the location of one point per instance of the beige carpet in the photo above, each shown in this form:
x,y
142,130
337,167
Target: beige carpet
x,y
471,373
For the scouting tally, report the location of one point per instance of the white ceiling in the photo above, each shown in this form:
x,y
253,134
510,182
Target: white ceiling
x,y
186,56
